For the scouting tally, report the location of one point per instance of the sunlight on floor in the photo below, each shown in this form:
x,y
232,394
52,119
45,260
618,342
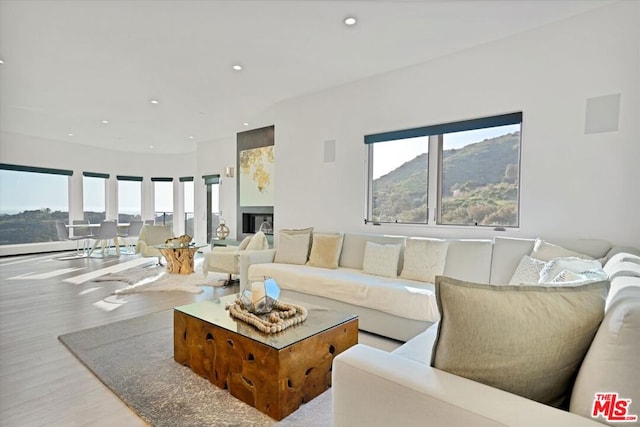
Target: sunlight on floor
x,y
110,303
47,275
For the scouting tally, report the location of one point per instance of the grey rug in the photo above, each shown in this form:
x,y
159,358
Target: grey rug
x,y
134,358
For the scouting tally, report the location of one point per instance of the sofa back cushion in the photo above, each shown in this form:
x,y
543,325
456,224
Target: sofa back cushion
x,y
469,260
352,255
611,364
527,340
507,254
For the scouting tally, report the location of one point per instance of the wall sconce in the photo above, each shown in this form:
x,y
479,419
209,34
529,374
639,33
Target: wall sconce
x,y
228,171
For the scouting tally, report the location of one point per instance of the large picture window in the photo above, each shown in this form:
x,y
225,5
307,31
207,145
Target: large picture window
x,y
163,200
129,198
94,196
31,201
459,173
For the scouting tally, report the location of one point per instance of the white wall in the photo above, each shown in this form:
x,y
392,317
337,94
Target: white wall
x,y
213,157
572,185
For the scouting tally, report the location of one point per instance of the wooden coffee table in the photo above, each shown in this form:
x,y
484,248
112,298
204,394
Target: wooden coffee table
x,y
275,373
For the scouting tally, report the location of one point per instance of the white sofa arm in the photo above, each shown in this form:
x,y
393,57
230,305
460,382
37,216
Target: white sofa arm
x,y
375,388
253,257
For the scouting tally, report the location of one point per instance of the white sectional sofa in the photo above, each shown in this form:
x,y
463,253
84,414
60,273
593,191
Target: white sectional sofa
x,y
376,388
392,306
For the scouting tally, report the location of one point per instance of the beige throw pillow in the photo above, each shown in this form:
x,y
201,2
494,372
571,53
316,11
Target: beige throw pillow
x,y
527,340
293,246
424,259
381,260
545,251
325,250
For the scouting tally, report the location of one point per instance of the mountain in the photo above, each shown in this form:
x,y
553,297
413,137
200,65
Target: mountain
x,y
479,180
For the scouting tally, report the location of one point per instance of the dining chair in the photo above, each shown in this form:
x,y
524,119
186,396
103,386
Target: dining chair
x,y
131,232
108,231
85,232
63,235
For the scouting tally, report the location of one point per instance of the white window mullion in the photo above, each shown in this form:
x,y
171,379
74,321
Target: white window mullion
x,y
433,177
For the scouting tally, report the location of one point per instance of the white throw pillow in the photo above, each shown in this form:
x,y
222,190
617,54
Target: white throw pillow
x,y
258,242
558,270
528,271
424,259
381,260
293,247
245,242
545,251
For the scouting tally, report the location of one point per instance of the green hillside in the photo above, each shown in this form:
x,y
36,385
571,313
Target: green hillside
x,y
480,186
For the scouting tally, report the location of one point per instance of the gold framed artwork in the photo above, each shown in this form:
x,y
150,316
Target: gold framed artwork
x,y
256,176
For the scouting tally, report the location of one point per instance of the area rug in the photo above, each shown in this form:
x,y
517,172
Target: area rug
x,y
156,278
134,358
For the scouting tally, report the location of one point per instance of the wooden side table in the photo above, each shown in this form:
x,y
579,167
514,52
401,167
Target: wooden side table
x,y
179,258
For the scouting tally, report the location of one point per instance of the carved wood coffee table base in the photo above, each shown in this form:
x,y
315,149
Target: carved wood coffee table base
x,y
179,260
273,381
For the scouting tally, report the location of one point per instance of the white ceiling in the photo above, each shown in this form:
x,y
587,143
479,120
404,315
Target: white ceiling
x,y
70,64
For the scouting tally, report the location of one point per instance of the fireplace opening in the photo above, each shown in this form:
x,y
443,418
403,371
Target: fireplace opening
x,y
254,222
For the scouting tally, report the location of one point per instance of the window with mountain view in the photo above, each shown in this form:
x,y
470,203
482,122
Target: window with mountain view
x,y
399,178
475,179
31,201
94,196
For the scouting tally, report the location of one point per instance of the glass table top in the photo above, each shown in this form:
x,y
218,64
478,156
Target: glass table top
x,y
174,246
319,319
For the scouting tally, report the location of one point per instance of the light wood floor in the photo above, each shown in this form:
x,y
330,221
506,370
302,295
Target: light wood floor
x,y
41,382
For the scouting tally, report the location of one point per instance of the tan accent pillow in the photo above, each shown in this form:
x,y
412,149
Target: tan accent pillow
x,y
424,259
325,250
545,251
527,340
293,246
381,260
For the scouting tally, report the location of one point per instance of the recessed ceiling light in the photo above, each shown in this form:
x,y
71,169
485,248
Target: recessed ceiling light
x,y
350,20
70,134
104,122
246,124
154,101
1,61
151,146
191,136
237,67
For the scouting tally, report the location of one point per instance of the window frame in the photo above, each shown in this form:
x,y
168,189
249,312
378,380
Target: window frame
x,y
435,155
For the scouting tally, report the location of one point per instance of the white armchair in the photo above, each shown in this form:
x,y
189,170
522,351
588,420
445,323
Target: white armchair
x,y
226,259
152,235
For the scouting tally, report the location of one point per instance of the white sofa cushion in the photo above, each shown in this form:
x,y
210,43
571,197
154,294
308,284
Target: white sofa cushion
x,y
545,251
624,268
293,246
507,254
353,246
424,259
611,364
400,297
381,260
469,260
538,335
